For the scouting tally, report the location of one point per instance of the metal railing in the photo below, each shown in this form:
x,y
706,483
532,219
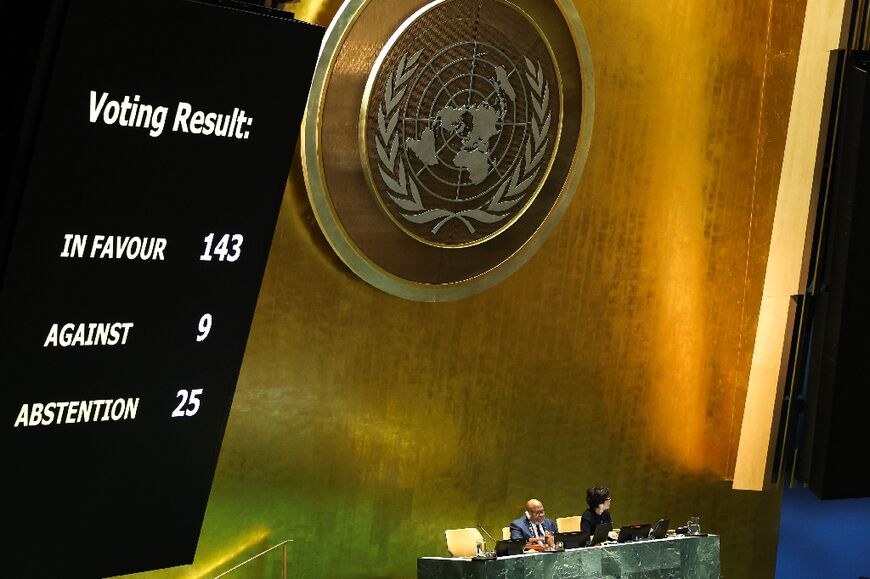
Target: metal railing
x,y
282,544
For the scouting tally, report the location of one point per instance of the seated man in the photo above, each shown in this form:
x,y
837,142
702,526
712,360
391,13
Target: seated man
x,y
533,526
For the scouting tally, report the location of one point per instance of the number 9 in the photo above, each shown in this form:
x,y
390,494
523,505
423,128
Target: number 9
x,y
204,327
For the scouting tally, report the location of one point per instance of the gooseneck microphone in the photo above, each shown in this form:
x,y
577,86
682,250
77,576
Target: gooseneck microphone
x,y
491,538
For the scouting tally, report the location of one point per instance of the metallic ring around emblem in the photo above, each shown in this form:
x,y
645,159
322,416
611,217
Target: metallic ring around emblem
x,y
471,121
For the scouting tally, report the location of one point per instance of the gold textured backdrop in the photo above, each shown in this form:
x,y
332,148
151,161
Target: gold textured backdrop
x,y
364,425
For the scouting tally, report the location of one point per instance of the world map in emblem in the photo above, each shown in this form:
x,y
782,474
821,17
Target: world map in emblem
x,y
458,133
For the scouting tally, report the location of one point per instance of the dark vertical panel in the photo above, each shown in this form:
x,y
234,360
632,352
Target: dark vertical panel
x,y
838,370
110,444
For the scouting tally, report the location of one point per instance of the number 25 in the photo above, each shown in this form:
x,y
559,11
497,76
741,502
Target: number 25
x,y
188,399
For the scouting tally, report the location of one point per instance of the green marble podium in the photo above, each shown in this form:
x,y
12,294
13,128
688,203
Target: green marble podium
x,y
676,557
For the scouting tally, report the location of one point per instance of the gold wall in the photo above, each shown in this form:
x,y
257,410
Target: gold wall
x,y
364,425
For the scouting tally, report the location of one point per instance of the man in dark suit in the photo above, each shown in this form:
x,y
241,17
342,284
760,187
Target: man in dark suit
x,y
533,526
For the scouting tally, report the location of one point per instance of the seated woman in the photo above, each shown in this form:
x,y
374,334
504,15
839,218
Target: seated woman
x,y
598,499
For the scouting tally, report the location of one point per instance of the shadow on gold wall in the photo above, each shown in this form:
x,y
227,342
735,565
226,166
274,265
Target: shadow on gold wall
x,y
364,425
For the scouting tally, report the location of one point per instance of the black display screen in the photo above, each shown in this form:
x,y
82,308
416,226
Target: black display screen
x,y
138,248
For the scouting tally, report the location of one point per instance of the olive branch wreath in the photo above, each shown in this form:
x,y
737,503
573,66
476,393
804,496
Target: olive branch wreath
x,y
404,191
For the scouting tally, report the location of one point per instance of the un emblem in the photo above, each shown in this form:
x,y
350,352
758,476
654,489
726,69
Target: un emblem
x,y
461,134
473,124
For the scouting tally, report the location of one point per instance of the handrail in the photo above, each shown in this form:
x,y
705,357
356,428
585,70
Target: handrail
x,y
282,544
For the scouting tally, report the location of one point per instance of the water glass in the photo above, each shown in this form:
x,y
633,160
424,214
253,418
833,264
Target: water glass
x,y
694,525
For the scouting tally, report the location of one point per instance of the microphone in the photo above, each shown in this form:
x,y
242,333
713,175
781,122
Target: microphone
x,y
491,538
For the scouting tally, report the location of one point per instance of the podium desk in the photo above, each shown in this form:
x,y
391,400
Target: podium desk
x,y
673,557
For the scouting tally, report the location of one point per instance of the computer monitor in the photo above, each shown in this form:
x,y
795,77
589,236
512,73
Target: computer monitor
x,y
509,547
660,531
601,533
633,532
572,539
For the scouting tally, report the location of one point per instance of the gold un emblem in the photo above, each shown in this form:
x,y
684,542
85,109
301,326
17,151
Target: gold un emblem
x,y
473,120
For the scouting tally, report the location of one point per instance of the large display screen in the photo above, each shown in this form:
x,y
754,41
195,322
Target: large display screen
x,y
139,242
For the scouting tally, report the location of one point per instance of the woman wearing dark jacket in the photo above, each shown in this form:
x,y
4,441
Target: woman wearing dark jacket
x,y
598,499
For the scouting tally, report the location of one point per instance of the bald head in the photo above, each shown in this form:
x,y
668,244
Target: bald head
x,y
536,510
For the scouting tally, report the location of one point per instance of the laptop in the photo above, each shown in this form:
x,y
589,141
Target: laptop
x,y
633,532
572,539
509,547
660,531
600,534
